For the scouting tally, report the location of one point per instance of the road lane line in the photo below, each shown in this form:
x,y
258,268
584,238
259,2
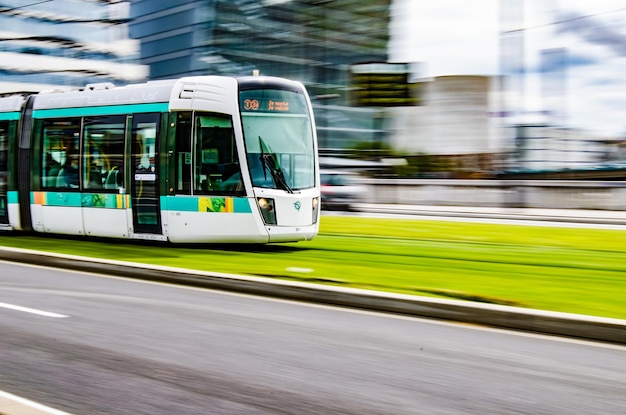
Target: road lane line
x,y
16,401
32,310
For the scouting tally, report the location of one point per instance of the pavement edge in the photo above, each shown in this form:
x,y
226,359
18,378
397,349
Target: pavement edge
x,y
536,321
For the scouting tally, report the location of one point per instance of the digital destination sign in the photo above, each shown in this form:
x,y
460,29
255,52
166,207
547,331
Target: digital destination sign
x,y
270,105
272,101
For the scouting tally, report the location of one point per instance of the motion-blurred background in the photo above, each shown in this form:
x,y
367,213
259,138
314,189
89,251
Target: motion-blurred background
x,y
490,89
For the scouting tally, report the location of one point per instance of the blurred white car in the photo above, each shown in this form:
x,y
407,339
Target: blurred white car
x,y
341,190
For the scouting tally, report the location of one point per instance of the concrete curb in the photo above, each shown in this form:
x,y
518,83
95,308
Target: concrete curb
x,y
553,323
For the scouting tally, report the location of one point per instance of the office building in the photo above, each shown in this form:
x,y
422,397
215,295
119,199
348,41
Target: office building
x,y
313,41
66,43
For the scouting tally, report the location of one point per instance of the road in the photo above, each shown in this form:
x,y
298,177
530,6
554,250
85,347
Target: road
x,y
90,344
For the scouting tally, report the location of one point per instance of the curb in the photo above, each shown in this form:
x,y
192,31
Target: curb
x,y
515,318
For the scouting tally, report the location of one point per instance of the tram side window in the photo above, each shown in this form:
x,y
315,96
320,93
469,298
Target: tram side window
x,y
61,156
144,145
217,168
4,145
103,152
4,153
183,153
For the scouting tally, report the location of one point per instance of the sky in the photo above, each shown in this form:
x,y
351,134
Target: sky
x,y
459,37
447,37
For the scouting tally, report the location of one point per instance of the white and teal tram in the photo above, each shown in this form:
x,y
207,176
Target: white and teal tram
x,y
197,159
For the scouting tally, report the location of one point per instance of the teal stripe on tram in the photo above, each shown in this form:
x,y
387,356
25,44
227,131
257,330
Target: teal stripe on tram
x,y
12,196
179,203
214,204
242,205
101,110
9,116
86,200
105,200
67,199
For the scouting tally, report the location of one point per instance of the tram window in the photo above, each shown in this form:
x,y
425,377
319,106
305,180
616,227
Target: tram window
x,y
4,148
217,168
183,153
144,145
61,157
103,152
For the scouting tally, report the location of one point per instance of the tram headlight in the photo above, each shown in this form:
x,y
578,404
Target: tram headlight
x,y
316,208
267,210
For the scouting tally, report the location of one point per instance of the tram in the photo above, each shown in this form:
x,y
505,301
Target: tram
x,y
203,159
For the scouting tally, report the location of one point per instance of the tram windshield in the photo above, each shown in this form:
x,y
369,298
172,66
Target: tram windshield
x,y
279,139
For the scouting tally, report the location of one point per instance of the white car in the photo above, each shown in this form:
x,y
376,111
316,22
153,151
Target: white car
x,y
341,190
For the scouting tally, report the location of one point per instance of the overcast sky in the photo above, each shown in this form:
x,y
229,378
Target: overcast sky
x,y
447,37
460,37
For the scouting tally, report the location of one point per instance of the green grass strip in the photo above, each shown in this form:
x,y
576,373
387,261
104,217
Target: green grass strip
x,y
560,269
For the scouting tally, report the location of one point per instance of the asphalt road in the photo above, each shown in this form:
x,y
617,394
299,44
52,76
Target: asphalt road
x,y
118,346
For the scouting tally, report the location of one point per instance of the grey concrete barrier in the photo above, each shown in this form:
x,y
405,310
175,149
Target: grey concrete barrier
x,y
514,318
545,194
573,216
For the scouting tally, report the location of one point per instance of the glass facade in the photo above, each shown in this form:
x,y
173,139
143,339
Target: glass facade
x,y
66,43
312,41
72,43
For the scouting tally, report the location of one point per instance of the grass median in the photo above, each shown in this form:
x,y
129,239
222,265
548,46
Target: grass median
x,y
560,269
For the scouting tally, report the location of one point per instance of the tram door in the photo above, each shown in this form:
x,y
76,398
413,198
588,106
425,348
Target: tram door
x,y
145,174
4,167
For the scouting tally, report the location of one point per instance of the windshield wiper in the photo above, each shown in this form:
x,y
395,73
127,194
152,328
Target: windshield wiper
x,y
269,162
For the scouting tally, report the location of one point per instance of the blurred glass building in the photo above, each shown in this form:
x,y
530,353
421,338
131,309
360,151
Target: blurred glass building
x,y
313,41
50,43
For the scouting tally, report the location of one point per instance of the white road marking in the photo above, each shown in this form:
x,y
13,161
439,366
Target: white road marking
x,y
296,269
39,407
32,310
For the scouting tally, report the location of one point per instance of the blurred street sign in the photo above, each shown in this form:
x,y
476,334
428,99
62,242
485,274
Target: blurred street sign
x,y
381,84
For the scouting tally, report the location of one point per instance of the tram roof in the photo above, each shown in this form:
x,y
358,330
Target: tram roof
x,y
11,103
106,94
